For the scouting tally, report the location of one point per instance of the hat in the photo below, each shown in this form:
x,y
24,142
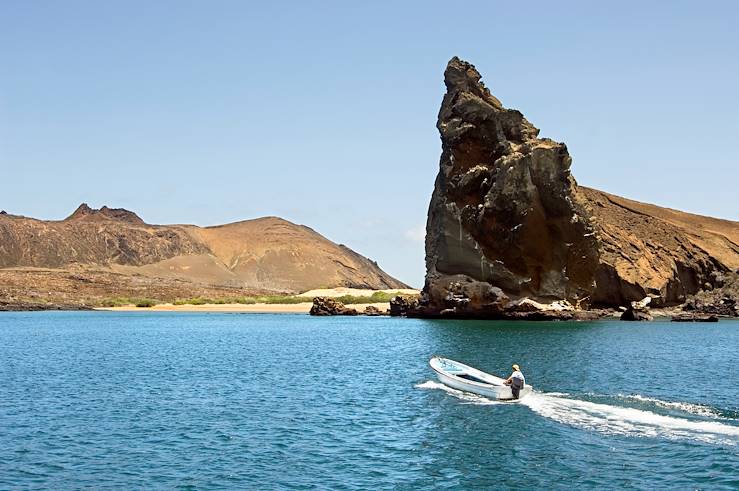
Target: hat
x,y
516,367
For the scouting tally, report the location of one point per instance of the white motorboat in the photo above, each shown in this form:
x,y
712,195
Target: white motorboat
x,y
462,377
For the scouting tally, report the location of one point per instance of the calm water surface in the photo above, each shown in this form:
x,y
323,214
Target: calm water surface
x,y
223,401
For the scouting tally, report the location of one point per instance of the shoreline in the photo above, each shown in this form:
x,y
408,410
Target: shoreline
x,y
304,308
256,308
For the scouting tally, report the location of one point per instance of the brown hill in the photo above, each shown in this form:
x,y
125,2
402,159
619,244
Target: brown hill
x,y
507,221
102,237
266,254
650,250
271,254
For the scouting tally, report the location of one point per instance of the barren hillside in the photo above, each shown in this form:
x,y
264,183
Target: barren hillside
x,y
266,254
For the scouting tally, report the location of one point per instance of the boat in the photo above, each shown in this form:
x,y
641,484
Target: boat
x,y
462,377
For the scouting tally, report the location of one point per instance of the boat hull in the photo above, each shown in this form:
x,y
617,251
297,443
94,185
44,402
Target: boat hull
x,y
452,373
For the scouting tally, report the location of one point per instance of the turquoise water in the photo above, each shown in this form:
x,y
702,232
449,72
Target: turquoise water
x,y
222,401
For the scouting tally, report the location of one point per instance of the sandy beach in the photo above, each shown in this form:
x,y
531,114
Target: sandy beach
x,y
357,292
272,308
261,308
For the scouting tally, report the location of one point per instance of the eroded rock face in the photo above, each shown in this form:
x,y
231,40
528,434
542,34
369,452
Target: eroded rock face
x,y
504,219
638,311
722,300
507,222
401,305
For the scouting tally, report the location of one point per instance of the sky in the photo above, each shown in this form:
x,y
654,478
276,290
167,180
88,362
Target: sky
x,y
324,113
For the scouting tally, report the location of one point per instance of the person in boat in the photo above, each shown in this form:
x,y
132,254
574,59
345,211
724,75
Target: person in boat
x,y
516,381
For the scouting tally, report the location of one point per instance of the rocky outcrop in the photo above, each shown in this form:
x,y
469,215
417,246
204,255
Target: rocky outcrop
x,y
507,221
330,306
631,314
84,212
470,299
638,311
504,218
400,305
720,298
688,317
373,311
324,306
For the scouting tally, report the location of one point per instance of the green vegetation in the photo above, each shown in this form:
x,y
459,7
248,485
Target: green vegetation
x,y
217,301
244,300
376,297
272,299
282,299
123,301
199,301
146,302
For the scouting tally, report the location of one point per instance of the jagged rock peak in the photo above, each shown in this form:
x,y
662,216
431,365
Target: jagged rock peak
x,y
85,211
504,221
507,221
460,75
468,100
82,210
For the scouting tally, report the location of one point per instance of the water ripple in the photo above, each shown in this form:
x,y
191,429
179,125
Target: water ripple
x,y
144,400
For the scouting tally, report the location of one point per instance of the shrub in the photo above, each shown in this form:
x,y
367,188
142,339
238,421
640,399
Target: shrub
x,y
145,302
281,299
199,301
114,302
123,301
376,297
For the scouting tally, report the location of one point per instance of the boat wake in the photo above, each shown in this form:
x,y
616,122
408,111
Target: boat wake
x,y
466,397
698,409
620,420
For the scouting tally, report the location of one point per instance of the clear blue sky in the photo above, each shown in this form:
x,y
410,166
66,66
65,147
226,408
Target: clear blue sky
x,y
323,112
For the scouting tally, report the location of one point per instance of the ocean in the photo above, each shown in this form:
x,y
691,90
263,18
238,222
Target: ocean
x,y
130,400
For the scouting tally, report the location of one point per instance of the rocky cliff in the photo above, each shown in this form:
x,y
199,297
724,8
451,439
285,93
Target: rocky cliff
x,y
507,221
266,254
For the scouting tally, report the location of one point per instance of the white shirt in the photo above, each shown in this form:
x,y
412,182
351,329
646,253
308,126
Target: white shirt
x,y
517,374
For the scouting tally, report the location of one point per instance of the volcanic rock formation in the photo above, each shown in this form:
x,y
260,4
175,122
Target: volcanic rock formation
x,y
508,221
330,306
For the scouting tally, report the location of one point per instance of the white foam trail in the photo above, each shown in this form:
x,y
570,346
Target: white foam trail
x,y
430,384
688,407
628,421
615,420
467,397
